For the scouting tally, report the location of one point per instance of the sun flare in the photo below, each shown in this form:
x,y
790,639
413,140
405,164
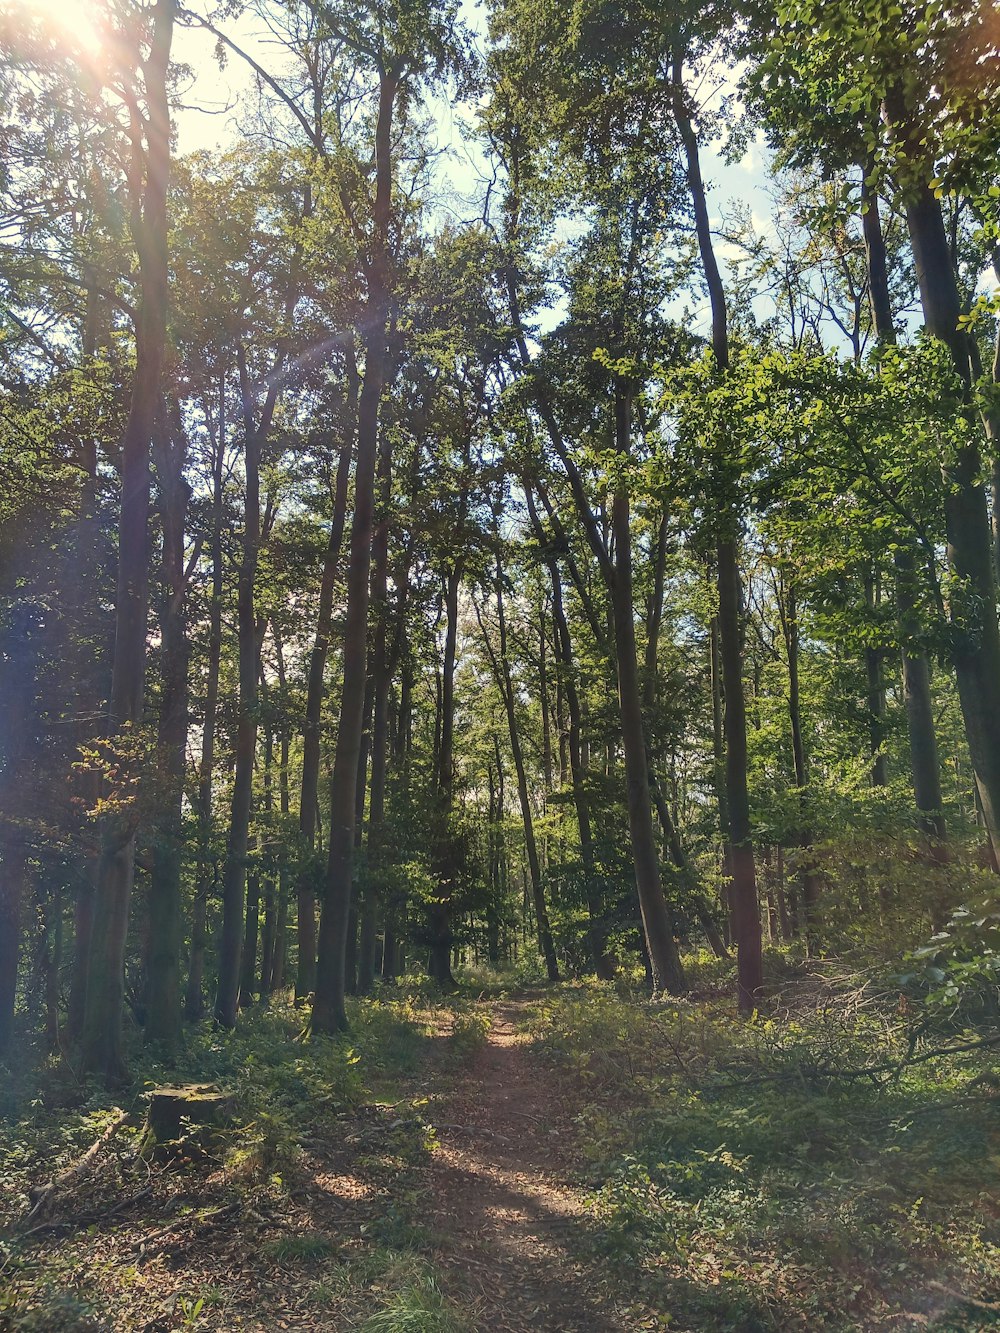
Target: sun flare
x,y
75,24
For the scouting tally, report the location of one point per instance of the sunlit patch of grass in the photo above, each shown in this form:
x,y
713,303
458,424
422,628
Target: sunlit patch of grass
x,y
417,1308
748,1174
469,1034
391,1036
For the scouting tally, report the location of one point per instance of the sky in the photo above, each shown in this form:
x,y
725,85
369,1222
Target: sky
x,y
216,101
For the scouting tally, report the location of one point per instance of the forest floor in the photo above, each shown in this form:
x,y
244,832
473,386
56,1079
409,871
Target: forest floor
x,y
567,1161
504,1200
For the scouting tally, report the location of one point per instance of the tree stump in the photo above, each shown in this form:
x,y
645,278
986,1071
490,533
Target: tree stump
x,y
184,1121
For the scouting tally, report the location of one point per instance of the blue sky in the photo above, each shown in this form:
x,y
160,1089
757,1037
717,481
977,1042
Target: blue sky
x,y
219,99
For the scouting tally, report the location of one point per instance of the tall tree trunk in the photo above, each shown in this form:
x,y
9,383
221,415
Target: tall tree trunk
x,y
924,767
789,614
667,972
678,856
194,997
17,693
329,1012
234,874
493,843
13,880
278,966
380,723
163,1009
248,956
268,933
501,673
103,1041
90,693
875,696
305,978
675,848
975,633
719,766
654,911
597,933
440,935
51,961
743,879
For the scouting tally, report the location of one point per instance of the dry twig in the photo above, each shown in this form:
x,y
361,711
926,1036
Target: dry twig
x,y
57,1186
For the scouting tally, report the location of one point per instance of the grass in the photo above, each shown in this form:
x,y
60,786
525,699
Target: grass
x,y
347,1108
745,1177
743,1186
303,1248
469,1034
417,1308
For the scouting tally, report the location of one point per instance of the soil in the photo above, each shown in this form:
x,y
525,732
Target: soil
x,y
500,1216
508,1220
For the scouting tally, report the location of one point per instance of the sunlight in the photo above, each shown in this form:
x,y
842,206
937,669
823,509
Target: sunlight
x,y
75,24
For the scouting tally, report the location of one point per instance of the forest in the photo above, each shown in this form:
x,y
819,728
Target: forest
x,y
499,665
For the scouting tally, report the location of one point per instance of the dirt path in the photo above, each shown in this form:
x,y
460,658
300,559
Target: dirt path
x,y
502,1209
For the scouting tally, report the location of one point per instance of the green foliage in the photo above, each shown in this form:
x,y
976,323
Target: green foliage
x,y
749,1178
469,1031
390,1036
304,1247
419,1308
957,972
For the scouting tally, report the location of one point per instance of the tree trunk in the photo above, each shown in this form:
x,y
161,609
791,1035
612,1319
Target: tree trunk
x,y
597,933
90,693
103,1042
875,698
278,966
743,880
440,935
163,1008
501,674
13,878
248,957
667,973
268,933
17,691
975,633
194,999
924,767
644,852
380,723
788,612
678,856
329,1011
305,978
234,874
654,620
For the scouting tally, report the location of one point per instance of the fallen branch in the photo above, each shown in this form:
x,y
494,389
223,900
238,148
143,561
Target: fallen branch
x,y
55,1187
992,1306
473,1129
89,1219
143,1243
894,1067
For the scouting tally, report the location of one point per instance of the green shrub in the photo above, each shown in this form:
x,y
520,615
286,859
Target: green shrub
x,y
469,1033
418,1308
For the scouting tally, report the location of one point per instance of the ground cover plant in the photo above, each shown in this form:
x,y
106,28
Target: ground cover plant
x,y
499,664
792,1172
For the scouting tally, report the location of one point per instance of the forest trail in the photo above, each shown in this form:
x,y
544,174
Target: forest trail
x,y
504,1214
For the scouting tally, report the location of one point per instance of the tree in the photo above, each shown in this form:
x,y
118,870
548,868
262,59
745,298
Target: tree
x,y
149,133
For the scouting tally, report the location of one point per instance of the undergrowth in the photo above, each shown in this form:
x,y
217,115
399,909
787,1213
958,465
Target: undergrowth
x,y
788,1172
338,1108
